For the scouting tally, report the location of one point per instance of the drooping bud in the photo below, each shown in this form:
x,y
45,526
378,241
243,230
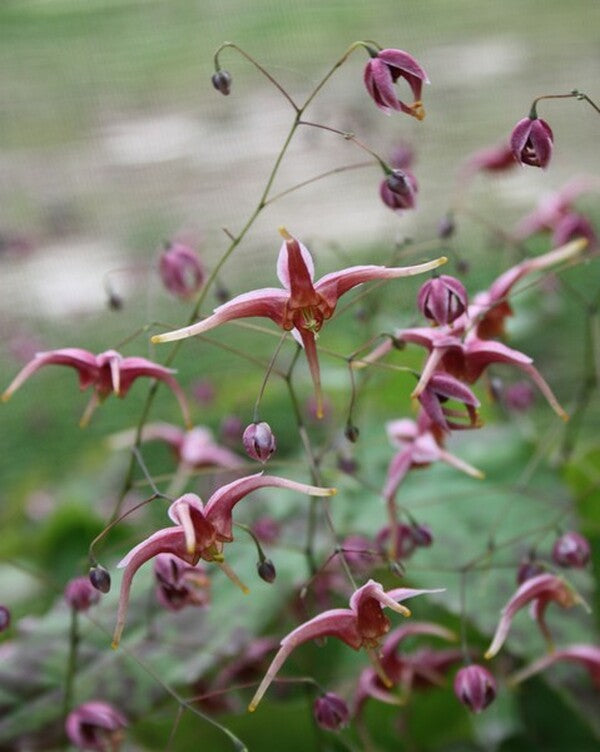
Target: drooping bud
x,y
181,270
442,299
528,568
95,725
571,550
399,190
221,80
80,594
266,570
400,546
331,712
351,432
4,619
115,301
531,142
475,687
100,578
422,535
259,441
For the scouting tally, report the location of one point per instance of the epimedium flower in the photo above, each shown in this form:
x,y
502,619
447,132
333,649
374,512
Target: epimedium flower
x,y
442,387
571,550
361,625
179,584
573,226
108,373
442,299
301,306
181,270
259,441
80,594
407,671
331,712
531,141
586,655
491,159
96,725
475,687
399,190
540,591
199,531
383,71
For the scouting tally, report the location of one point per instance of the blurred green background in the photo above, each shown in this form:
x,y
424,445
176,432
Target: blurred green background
x,y
114,140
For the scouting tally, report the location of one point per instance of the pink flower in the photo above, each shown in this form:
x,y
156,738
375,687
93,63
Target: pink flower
x,y
95,725
587,655
573,226
383,71
540,591
571,550
199,531
442,387
179,584
399,190
301,306
420,669
361,625
331,712
531,142
492,159
109,372
475,687
80,594
180,270
259,441
442,299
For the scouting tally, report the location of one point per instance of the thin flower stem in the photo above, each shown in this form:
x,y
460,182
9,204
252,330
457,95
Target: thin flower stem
x,y
575,94
349,137
116,521
71,662
464,644
266,377
323,175
258,66
140,460
330,73
180,711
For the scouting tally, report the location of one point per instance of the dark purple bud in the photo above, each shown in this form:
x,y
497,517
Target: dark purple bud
x,y
331,712
446,227
442,299
475,687
400,546
4,619
347,464
115,301
80,594
259,441
351,433
221,80
422,535
399,190
531,142
266,570
528,569
100,578
571,550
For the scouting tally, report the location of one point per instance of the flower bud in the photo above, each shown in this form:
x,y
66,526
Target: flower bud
x,y
442,299
421,535
571,550
100,578
95,725
528,569
331,712
180,270
4,619
266,570
531,142
115,301
221,80
259,441
399,190
80,594
401,546
351,433
475,687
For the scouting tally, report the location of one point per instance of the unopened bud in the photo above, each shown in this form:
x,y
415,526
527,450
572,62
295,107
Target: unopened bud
x,y
399,190
80,594
4,618
259,441
528,569
571,550
421,535
352,433
266,570
442,299
475,687
331,712
100,578
221,80
115,301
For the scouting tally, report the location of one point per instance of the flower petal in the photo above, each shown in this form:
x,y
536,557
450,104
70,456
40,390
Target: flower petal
x,y
82,360
301,263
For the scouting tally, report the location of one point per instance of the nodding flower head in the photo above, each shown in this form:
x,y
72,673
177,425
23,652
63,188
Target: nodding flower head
x,y
259,441
475,687
179,584
221,80
80,594
531,142
180,270
571,550
331,712
96,725
383,71
442,299
399,190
